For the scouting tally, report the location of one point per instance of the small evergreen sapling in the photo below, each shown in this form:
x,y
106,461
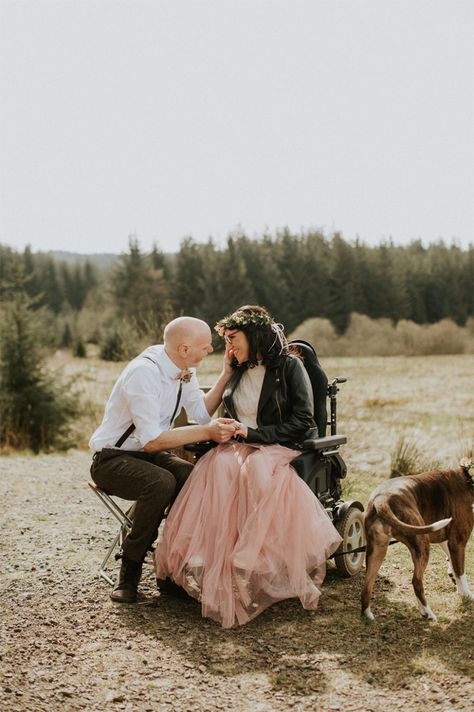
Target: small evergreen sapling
x,y
35,409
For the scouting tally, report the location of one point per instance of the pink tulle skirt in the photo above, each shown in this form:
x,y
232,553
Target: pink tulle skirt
x,y
245,532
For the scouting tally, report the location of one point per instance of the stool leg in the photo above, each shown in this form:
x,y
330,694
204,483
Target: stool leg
x,y
125,519
118,541
102,572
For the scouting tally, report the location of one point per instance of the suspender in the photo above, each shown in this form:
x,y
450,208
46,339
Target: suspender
x,y
125,435
131,427
178,398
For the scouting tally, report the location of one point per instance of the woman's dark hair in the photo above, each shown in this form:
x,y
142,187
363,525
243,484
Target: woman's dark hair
x,y
266,339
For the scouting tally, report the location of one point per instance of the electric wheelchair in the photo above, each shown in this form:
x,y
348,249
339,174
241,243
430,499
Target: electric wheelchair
x,y
321,466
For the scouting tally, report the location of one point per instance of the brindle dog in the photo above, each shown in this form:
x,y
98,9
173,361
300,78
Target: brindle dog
x,y
433,507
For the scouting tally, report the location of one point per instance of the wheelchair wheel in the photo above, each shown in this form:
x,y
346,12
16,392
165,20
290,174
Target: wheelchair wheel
x,y
351,529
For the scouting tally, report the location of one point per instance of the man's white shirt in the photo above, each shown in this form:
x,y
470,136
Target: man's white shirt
x,y
145,394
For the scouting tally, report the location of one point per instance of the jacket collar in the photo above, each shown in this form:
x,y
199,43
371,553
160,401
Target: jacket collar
x,y
270,384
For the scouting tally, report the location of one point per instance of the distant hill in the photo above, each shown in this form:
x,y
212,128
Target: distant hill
x,y
103,261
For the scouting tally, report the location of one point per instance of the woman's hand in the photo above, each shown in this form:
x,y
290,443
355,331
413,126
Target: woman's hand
x,y
228,356
241,429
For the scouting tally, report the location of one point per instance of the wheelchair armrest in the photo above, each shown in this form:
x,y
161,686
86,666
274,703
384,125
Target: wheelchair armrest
x,y
200,448
330,441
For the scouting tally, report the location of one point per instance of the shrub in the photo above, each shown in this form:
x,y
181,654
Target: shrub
x,y
79,349
368,337
407,459
320,333
444,337
380,337
35,409
119,342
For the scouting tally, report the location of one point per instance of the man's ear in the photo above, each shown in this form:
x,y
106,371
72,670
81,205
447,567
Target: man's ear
x,y
183,350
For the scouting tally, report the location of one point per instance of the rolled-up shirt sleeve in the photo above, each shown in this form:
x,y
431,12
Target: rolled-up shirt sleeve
x,y
143,396
193,401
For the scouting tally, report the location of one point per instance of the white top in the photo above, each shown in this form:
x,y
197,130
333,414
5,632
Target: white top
x,y
247,395
145,394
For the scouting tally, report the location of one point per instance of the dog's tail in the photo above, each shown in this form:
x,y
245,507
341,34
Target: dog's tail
x,y
386,513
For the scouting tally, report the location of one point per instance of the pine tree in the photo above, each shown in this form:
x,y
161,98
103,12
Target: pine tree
x,y
341,283
189,280
66,338
234,287
141,294
35,410
79,349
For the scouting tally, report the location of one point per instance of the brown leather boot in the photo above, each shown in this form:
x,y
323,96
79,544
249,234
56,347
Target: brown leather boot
x,y
126,589
167,587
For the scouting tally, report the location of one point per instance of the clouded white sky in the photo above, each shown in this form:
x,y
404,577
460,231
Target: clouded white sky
x,y
181,117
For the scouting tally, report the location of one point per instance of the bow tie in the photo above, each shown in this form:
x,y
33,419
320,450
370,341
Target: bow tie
x,y
184,376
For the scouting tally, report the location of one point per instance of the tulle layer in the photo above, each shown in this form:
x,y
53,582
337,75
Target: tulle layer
x,y
246,532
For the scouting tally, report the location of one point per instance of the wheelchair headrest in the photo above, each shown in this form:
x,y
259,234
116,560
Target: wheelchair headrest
x,y
304,346
319,382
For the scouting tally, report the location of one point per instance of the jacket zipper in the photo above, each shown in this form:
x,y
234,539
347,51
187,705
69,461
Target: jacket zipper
x,y
278,405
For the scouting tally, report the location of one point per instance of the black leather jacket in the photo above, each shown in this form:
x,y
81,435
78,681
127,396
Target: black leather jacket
x,y
285,408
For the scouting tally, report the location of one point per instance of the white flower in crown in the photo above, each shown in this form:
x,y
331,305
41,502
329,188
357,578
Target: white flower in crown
x,y
186,375
242,318
466,463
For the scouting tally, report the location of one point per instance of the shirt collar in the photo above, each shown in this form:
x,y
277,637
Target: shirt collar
x,y
160,357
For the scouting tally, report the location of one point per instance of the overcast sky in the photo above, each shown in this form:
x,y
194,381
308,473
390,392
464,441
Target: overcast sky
x,y
174,118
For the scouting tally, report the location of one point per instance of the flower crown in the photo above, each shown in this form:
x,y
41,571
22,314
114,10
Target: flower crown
x,y
242,318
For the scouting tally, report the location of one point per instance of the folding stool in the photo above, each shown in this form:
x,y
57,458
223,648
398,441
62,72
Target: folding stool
x,y
125,521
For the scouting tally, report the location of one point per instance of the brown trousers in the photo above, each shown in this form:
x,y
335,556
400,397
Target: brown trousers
x,y
152,480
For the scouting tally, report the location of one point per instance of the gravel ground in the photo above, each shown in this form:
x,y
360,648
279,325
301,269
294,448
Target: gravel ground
x,y
65,645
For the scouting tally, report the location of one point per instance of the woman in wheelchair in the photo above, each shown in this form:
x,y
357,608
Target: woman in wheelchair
x,y
246,531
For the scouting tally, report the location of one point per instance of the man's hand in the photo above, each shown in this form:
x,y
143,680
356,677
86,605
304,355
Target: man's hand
x,y
222,429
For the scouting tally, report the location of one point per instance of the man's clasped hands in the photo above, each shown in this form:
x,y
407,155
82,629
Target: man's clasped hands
x,y
223,429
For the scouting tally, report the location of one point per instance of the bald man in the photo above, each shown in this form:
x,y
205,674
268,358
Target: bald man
x,y
131,446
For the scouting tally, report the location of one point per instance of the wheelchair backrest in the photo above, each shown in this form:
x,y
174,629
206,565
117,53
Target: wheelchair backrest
x,y
319,383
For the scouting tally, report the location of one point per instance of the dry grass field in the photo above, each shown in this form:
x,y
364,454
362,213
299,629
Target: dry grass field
x,y
64,645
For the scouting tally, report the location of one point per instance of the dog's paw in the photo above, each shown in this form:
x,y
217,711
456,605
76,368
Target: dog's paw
x,y
368,615
426,611
463,588
428,614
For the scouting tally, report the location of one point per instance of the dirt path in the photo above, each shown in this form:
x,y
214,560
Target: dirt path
x,y
65,646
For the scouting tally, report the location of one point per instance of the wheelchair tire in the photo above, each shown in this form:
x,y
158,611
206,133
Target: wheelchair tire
x,y
351,529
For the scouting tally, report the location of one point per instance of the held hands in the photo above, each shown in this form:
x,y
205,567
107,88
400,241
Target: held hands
x,y
242,429
223,429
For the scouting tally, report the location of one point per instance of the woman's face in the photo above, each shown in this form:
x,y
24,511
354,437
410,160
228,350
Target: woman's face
x,y
237,345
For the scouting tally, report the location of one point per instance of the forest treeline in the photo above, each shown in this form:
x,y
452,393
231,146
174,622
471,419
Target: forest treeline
x,y
346,298
296,276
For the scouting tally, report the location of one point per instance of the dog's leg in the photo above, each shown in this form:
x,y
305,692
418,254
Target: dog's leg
x,y
377,545
445,548
456,550
420,552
